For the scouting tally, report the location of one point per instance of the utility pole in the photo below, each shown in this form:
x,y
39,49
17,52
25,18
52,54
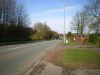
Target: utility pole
x,y
64,22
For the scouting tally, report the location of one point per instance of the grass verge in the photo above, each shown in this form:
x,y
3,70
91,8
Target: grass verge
x,y
82,58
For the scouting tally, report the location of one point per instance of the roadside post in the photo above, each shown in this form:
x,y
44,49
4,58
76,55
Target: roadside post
x,y
66,41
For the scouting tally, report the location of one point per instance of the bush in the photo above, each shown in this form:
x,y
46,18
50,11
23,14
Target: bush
x,y
69,34
99,41
93,38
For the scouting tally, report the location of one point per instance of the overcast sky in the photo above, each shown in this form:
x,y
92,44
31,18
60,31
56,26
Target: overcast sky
x,y
52,12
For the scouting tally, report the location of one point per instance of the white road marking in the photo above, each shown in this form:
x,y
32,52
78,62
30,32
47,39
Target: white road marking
x,y
16,48
21,47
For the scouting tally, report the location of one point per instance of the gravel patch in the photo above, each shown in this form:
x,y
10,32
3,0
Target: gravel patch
x,y
38,69
82,72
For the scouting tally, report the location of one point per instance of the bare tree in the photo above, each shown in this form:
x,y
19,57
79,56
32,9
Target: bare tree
x,y
94,11
83,21
22,17
79,22
76,23
13,21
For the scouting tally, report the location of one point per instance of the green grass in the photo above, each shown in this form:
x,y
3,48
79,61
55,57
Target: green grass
x,y
70,42
80,58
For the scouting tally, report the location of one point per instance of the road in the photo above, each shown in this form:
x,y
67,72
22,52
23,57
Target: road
x,y
16,59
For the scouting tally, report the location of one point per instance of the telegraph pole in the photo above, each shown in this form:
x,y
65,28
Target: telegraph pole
x,y
64,22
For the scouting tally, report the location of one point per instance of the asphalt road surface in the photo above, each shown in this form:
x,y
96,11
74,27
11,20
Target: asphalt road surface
x,y
16,59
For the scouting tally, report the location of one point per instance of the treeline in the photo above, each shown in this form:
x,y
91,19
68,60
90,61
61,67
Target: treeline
x,y
13,22
43,32
87,21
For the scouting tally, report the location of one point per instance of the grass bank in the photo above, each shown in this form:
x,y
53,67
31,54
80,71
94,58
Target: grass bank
x,y
82,58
